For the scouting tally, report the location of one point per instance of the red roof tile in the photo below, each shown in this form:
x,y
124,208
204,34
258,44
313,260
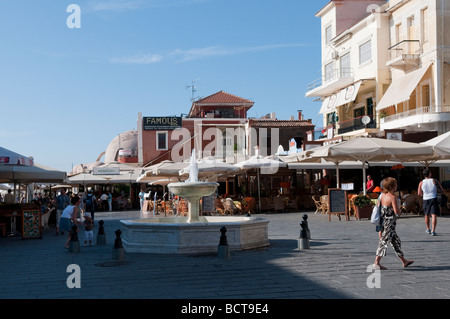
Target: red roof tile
x,y
222,97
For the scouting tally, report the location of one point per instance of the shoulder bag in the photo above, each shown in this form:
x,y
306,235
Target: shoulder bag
x,y
376,213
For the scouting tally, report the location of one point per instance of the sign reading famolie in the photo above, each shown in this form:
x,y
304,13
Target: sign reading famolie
x,y
162,123
106,171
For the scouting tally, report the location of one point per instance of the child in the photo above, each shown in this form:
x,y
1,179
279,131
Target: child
x,y
88,229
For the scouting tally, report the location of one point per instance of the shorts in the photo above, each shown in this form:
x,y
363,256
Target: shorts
x,y
65,224
430,206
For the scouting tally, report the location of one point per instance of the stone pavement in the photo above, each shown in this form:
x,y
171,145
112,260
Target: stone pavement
x,y
335,267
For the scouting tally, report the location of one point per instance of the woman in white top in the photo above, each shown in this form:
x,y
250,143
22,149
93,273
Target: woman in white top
x,y
69,217
428,190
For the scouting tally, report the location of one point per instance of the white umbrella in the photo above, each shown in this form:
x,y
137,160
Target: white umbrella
x,y
210,166
365,149
441,146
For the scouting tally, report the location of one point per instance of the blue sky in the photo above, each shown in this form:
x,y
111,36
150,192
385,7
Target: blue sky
x,y
66,93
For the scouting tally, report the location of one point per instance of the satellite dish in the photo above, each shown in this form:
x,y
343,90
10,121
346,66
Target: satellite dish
x,y
365,119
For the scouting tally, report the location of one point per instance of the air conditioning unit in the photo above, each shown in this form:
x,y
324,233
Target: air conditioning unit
x,y
334,55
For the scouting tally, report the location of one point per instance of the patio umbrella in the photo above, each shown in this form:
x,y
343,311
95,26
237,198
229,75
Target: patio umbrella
x,y
13,158
365,149
86,178
263,165
30,174
210,166
441,146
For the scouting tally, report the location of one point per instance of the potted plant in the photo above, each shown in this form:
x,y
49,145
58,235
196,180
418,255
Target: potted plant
x,y
363,206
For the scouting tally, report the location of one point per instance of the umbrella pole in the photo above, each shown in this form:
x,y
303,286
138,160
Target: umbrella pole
x,y
364,177
337,175
259,192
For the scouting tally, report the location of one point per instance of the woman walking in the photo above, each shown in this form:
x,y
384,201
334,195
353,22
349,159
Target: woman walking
x,y
389,212
69,217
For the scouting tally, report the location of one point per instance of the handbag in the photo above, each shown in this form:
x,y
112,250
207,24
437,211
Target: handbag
x,y
376,213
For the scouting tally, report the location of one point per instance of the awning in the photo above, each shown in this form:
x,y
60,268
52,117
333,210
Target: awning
x,y
344,96
400,90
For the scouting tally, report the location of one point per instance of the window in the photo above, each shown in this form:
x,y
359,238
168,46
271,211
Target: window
x,y
365,52
425,26
328,34
329,72
426,97
345,65
161,141
398,33
411,28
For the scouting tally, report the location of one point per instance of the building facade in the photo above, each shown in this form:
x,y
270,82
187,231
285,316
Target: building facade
x,y
216,126
385,69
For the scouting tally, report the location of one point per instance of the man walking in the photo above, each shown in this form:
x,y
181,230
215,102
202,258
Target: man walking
x,y
428,190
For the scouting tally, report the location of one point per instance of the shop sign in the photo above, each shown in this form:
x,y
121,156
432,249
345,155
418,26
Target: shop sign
x,y
162,123
106,171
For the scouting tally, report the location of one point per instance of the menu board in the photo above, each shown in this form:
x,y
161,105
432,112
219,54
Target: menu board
x,y
31,224
337,201
208,204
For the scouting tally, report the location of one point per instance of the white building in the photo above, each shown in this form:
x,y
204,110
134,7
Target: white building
x,y
384,67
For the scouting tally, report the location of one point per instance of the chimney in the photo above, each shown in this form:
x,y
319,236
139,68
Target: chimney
x,y
300,116
273,116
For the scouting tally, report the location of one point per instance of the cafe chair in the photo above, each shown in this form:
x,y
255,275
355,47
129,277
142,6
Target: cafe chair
x,y
324,201
278,204
319,208
230,207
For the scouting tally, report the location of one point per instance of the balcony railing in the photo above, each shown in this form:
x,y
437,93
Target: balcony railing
x,y
418,111
330,77
406,51
355,124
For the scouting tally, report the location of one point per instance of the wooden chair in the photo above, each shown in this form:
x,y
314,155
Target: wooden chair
x,y
278,204
351,204
318,204
248,205
230,207
168,207
324,201
220,209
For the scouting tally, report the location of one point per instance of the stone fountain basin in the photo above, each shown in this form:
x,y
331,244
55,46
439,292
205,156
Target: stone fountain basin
x,y
193,189
174,235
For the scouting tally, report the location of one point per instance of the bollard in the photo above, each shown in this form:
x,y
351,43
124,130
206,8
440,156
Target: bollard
x,y
303,241
223,249
308,233
101,238
118,251
74,245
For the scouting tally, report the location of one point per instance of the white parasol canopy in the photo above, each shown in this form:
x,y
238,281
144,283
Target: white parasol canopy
x,y
365,149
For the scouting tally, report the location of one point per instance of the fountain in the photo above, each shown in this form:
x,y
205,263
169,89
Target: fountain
x,y
193,234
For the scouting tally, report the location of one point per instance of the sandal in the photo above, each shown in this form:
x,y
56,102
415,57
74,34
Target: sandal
x,y
410,262
379,266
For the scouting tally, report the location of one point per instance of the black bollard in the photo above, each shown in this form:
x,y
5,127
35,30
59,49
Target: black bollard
x,y
101,238
118,251
223,249
308,233
303,241
74,245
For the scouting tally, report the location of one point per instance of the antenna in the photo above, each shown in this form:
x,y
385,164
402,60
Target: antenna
x,y
192,87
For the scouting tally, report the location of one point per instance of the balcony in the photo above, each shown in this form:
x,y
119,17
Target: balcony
x,y
404,54
331,82
427,115
356,124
